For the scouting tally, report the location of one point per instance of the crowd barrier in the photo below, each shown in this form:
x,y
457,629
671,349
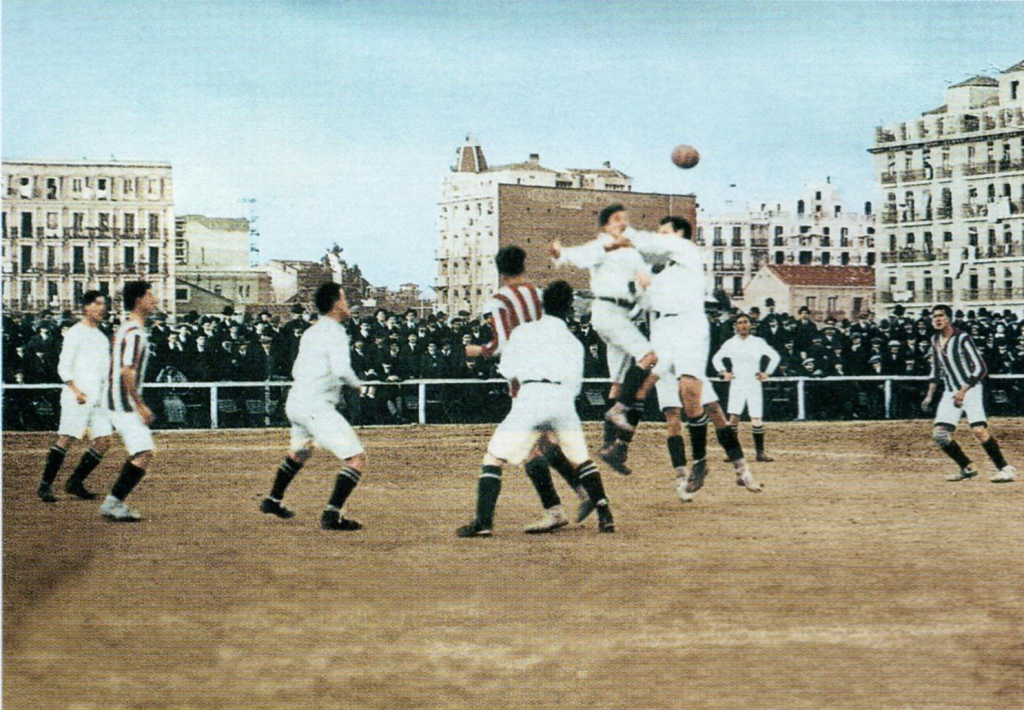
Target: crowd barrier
x,y
233,405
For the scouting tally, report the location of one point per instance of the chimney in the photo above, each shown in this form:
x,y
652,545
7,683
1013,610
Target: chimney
x,y
608,164
535,158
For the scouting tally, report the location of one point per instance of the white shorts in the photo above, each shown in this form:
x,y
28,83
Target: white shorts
x,y
540,407
682,344
747,394
974,407
136,435
668,392
321,424
76,419
621,336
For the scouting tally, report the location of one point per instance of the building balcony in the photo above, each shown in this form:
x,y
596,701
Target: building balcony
x,y
908,256
888,178
759,242
992,294
736,242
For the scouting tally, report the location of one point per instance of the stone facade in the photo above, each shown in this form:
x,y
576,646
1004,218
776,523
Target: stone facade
x,y
952,217
73,226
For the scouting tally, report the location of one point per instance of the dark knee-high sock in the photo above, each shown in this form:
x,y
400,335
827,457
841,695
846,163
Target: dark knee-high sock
x,y
992,449
90,460
758,432
633,415
54,460
556,458
127,480
677,450
730,442
634,378
285,473
540,475
590,479
487,492
953,451
609,428
344,484
698,427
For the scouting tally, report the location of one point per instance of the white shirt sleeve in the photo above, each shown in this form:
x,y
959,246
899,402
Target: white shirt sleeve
x,y
723,352
583,256
773,357
340,361
67,355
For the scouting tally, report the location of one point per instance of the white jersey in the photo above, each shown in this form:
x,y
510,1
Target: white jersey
x,y
611,272
85,359
322,364
679,289
130,349
746,354
544,351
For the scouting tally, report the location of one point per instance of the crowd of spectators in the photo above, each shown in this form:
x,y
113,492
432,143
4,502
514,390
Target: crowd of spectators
x,y
389,347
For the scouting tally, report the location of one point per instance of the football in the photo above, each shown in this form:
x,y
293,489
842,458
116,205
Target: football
x,y
685,156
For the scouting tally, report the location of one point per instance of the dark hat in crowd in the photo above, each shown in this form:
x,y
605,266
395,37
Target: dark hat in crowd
x,y
297,309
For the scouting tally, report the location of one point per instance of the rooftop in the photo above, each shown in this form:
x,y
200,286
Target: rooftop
x,y
838,276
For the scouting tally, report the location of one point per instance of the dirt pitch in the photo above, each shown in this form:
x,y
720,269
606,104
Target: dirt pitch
x,y
858,578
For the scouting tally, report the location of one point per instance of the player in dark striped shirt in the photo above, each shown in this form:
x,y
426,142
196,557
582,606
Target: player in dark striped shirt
x,y
957,364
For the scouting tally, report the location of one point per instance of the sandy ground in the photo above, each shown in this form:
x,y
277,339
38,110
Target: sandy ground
x,y
858,579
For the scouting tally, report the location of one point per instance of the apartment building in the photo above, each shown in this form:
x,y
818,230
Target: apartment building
x,y
952,218
73,226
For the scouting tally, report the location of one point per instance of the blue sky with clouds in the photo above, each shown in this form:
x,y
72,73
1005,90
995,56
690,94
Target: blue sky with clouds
x,y
342,118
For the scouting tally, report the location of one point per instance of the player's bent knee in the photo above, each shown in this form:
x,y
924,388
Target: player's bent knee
x,y
980,431
492,460
358,462
302,455
942,435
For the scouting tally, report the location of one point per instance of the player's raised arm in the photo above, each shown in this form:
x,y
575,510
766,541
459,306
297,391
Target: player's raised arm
x,y
583,256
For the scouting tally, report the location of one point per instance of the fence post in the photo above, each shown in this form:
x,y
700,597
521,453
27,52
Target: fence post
x,y
422,403
888,399
213,406
801,411
266,406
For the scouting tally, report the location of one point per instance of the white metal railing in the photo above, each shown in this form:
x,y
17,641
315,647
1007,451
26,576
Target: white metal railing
x,y
215,388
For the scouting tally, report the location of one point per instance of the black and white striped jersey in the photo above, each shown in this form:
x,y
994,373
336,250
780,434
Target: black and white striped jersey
x,y
958,362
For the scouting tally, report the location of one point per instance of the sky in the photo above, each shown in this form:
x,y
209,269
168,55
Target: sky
x,y
336,122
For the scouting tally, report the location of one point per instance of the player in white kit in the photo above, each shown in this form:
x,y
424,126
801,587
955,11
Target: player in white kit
x,y
129,414
321,367
543,361
748,371
83,368
613,266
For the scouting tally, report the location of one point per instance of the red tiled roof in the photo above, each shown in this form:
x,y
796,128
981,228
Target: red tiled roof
x,y
839,276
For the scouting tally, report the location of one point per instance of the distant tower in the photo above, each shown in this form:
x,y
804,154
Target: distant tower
x,y
469,158
254,233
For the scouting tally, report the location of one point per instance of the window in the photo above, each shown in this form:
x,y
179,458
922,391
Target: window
x,y
79,290
844,258
129,223
51,293
154,224
154,187
812,303
800,207
825,257
51,220
101,188
104,258
154,260
76,186
129,259
26,258
78,222
104,288
833,304
51,258
51,188
858,304
1014,90
181,293
104,221
805,257
78,260
737,286
129,186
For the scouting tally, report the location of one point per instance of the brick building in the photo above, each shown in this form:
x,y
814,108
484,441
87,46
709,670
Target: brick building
x,y
828,291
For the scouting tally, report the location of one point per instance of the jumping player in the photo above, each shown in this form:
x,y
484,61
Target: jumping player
x,y
128,413
746,354
958,365
83,368
613,266
543,361
321,366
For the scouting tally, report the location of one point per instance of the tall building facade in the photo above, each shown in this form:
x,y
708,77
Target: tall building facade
x,y
816,229
69,227
952,218
484,208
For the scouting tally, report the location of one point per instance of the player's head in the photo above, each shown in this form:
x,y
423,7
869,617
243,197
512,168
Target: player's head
x,y
94,305
510,260
138,294
742,324
942,316
608,212
613,220
558,299
676,225
328,294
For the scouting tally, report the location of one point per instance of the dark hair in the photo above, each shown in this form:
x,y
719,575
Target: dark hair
x,y
133,291
679,224
741,316
327,294
558,299
510,260
606,214
944,308
90,296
